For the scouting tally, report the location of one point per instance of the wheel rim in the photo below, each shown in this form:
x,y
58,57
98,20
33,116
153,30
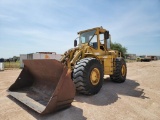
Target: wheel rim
x,y
95,76
123,70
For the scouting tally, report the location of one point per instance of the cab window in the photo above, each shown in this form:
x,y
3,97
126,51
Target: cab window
x,y
93,43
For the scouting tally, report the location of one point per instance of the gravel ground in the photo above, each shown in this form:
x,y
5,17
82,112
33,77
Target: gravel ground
x,y
136,99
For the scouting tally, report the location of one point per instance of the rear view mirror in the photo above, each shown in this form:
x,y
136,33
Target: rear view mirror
x,y
75,43
106,35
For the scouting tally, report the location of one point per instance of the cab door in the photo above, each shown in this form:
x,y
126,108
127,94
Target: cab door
x,y
97,45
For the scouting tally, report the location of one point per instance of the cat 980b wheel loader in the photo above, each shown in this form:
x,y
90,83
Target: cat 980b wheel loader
x,y
50,85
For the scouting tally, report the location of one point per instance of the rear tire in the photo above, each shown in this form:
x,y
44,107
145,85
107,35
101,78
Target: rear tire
x,y
120,71
88,76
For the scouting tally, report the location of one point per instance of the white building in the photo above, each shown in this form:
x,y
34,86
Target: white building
x,y
39,55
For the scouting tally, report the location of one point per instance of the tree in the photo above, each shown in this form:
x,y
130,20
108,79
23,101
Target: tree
x,y
119,47
1,59
15,58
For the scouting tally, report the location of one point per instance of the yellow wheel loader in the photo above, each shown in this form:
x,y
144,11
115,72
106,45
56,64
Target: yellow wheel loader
x,y
50,85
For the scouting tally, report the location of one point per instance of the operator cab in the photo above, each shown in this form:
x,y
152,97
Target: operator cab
x,y
97,38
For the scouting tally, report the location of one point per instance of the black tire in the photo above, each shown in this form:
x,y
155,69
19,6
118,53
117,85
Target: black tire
x,y
119,76
81,76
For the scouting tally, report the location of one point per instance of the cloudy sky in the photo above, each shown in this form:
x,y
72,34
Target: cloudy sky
x,y
28,26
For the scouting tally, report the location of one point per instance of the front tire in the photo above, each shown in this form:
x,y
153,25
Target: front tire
x,y
120,71
88,76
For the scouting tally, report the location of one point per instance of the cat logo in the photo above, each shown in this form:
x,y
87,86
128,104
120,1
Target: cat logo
x,y
47,57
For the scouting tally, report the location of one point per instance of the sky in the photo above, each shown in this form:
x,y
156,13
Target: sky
x,y
29,26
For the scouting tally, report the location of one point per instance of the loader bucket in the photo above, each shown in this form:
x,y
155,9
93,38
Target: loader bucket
x,y
44,85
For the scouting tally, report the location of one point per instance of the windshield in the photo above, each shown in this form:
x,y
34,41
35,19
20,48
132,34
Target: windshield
x,y
86,36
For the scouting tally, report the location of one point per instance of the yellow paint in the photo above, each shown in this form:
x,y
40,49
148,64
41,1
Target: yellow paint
x,y
105,55
123,70
95,76
108,65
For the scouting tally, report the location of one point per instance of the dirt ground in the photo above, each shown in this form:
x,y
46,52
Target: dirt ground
x,y
136,99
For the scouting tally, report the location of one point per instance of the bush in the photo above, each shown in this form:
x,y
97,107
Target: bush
x,y
120,48
12,64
